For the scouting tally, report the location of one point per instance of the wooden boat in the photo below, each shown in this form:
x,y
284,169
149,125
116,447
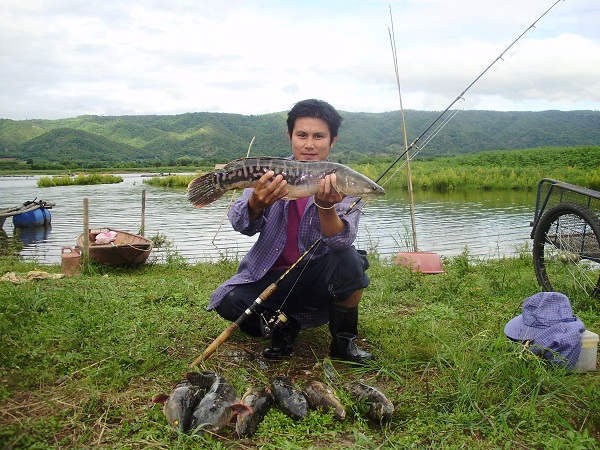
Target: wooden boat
x,y
125,249
34,213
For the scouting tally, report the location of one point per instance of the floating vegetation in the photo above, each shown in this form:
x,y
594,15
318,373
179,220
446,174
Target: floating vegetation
x,y
65,180
170,181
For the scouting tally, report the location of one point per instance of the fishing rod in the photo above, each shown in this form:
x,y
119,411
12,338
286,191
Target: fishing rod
x,y
461,95
213,346
282,319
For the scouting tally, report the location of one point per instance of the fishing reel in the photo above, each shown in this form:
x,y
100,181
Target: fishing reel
x,y
276,320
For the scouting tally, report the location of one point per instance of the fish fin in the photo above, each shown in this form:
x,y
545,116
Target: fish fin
x,y
160,398
203,190
241,409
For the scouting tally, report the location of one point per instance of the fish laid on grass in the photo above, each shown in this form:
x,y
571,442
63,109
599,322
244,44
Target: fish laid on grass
x,y
218,406
319,395
380,408
259,400
289,398
179,406
303,179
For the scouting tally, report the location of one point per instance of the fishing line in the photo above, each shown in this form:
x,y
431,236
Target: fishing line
x,y
461,95
229,204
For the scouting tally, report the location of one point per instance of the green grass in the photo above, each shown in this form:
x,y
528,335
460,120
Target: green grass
x,y
65,180
81,357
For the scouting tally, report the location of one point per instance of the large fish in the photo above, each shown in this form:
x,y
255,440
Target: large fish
x,y
319,395
218,406
380,408
179,406
259,400
303,178
289,398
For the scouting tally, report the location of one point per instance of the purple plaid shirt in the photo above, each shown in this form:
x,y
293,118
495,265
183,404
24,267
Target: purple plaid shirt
x,y
272,226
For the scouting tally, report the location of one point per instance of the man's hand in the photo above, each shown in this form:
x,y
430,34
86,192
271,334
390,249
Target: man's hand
x,y
266,192
328,194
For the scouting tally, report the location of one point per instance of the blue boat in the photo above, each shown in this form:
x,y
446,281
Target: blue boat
x,y
34,213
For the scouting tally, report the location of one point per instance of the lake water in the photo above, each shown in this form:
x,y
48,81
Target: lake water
x,y
489,224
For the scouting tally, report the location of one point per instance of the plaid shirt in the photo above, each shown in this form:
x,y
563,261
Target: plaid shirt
x,y
272,226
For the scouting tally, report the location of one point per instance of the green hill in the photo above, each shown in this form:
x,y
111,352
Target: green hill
x,y
218,137
75,146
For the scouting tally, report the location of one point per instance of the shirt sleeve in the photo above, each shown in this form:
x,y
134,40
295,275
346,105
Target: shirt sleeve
x,y
347,236
239,215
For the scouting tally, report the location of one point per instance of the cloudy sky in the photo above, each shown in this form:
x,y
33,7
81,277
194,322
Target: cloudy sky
x,y
64,58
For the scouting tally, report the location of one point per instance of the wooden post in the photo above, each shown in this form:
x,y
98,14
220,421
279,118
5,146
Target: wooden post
x,y
86,231
143,227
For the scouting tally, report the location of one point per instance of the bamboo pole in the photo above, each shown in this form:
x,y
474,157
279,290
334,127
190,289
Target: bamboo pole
x,y
411,200
86,230
143,226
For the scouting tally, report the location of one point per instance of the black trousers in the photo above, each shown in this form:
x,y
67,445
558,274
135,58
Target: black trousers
x,y
304,294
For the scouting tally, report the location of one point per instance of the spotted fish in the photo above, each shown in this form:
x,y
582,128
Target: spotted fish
x,y
303,178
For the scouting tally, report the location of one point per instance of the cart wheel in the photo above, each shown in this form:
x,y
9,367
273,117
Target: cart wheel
x,y
566,251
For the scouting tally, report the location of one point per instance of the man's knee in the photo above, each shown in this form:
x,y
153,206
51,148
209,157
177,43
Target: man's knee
x,y
232,307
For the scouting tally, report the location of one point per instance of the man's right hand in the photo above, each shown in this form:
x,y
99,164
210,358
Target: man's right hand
x,y
267,191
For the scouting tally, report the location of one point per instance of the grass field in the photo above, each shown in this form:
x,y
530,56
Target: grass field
x,y
81,358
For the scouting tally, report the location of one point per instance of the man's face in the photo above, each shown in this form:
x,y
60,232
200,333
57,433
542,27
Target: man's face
x,y
311,139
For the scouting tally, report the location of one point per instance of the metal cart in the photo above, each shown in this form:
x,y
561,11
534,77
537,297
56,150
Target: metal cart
x,y
566,238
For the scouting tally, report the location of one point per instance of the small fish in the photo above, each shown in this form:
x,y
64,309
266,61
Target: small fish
x,y
303,178
259,400
218,406
178,406
380,408
289,398
320,395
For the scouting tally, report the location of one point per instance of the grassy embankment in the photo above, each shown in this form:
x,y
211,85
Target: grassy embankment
x,y
81,358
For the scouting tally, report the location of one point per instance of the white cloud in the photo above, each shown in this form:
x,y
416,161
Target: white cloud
x,y
62,58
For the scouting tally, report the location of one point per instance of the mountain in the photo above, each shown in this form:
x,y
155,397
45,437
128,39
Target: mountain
x,y
219,137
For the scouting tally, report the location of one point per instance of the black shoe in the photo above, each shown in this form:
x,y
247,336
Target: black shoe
x,y
343,325
342,347
282,342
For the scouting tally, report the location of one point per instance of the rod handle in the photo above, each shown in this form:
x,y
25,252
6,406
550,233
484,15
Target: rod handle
x,y
225,334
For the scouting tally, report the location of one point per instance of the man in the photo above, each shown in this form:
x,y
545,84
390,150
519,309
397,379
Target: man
x,y
327,286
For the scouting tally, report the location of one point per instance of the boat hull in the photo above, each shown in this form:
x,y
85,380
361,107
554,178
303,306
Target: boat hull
x,y
127,249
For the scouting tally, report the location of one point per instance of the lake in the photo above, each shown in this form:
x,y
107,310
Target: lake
x,y
489,224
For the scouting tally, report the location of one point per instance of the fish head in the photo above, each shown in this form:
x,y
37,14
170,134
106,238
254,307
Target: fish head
x,y
171,410
355,184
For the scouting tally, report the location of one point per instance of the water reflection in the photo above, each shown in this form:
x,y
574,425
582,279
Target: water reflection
x,y
488,223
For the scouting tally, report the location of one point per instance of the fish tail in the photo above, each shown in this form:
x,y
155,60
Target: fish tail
x,y
204,190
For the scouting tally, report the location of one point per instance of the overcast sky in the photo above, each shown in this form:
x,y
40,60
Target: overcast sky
x,y
64,58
